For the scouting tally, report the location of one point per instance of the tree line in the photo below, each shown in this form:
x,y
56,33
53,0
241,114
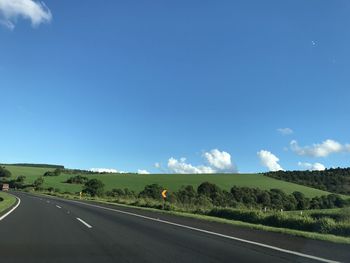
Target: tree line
x,y
209,194
336,180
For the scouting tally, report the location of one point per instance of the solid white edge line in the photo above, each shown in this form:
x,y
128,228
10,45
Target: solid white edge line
x,y
211,233
58,206
83,222
12,209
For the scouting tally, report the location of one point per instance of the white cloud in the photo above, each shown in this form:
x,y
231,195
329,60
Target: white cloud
x,y
285,131
11,10
157,165
269,160
103,170
181,167
323,149
219,160
312,166
140,171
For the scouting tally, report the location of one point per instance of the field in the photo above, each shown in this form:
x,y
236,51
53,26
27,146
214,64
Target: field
x,y
8,201
172,182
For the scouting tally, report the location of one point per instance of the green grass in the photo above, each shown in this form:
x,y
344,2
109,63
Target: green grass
x,y
338,214
172,182
9,200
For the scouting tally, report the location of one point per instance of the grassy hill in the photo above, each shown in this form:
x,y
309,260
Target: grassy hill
x,y
172,182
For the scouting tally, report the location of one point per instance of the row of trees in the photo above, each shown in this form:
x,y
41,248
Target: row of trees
x,y
208,194
336,180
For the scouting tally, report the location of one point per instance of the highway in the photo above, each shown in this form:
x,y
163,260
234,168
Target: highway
x,y
49,229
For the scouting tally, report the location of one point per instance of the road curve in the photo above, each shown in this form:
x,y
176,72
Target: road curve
x,y
45,229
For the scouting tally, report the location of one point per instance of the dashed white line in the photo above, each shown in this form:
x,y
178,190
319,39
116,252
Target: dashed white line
x,y
83,222
58,206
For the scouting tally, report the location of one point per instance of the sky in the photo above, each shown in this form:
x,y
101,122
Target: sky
x,y
175,86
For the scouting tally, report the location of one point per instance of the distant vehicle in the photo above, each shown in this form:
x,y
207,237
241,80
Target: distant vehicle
x,y
5,187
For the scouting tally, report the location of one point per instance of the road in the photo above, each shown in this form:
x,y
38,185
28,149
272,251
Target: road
x,y
48,229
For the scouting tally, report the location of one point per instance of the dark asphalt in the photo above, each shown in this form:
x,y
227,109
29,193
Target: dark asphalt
x,y
39,231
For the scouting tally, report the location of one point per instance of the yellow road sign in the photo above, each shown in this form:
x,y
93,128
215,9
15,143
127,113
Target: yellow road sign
x,y
164,193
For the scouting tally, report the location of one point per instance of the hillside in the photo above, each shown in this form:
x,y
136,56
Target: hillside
x,y
335,180
172,182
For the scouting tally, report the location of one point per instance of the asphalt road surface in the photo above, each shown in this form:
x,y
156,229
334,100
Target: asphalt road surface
x,y
45,229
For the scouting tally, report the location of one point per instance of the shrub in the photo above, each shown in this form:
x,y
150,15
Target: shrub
x,y
94,187
186,194
38,183
4,172
241,215
153,191
325,225
56,172
78,179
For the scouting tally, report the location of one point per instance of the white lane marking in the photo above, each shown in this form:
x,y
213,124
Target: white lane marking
x,y
212,233
13,209
48,201
58,206
83,222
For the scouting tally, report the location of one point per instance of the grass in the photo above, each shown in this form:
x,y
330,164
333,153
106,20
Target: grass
x,y
8,201
172,182
293,232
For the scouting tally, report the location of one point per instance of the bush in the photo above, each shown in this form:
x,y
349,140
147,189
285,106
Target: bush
x,y
324,225
4,172
56,172
342,229
38,183
78,179
203,201
94,187
186,195
153,191
241,215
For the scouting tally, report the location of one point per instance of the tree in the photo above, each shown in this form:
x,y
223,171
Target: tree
x,y
20,179
152,191
94,187
186,194
264,199
18,183
302,202
4,172
38,183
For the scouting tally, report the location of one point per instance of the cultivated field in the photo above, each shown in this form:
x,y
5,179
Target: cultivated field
x,y
172,182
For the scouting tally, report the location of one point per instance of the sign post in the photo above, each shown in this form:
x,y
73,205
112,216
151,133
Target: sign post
x,y
164,196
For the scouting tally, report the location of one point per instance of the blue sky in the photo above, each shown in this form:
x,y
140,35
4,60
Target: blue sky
x,y
127,84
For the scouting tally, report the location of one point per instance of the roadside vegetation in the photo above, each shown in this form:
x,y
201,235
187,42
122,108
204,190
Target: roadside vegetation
x,y
250,205
6,201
